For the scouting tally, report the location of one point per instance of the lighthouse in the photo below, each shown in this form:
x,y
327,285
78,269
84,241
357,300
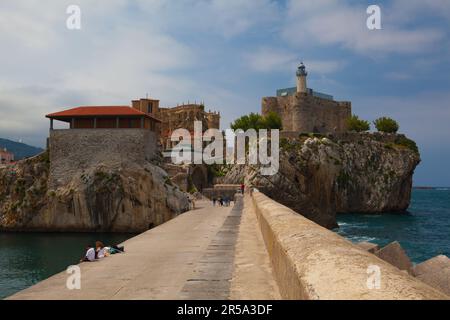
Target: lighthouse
x,y
301,79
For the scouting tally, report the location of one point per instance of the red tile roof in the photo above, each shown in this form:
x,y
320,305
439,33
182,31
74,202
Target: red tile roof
x,y
93,111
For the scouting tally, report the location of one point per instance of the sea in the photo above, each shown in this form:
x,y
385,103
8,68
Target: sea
x,y
424,232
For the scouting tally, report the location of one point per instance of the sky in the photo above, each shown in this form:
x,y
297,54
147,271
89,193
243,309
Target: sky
x,y
230,54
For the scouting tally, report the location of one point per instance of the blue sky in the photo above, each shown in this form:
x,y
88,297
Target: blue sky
x,y
230,54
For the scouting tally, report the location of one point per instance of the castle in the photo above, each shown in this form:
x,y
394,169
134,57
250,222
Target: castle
x,y
303,110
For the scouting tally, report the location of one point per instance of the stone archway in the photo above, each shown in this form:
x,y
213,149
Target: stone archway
x,y
199,176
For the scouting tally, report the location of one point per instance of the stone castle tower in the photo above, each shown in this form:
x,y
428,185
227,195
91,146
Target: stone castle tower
x,y
303,110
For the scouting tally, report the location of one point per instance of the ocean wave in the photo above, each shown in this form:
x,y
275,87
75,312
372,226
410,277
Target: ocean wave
x,y
361,238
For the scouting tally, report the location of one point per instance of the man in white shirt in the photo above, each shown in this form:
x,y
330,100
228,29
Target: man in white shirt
x,y
90,254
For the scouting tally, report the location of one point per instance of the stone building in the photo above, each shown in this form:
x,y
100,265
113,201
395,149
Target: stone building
x,y
183,116
112,136
6,157
302,109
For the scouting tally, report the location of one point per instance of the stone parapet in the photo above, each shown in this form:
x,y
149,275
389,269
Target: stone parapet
x,y
312,263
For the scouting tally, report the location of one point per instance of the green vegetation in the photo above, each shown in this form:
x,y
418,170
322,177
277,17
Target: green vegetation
x,y
218,170
193,190
256,121
407,143
105,182
271,121
291,145
357,125
385,124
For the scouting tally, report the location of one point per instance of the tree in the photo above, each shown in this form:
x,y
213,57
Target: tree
x,y
358,125
385,124
272,121
250,121
256,121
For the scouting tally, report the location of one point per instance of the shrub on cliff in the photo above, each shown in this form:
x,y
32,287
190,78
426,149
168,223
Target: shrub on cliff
x,y
407,143
257,121
385,124
358,125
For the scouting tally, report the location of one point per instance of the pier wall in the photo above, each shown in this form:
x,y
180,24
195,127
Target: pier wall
x,y
311,262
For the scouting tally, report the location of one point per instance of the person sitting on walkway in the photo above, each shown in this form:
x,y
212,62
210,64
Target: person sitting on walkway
x,y
100,250
90,254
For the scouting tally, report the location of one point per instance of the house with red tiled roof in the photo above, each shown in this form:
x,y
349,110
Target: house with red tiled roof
x,y
107,136
109,117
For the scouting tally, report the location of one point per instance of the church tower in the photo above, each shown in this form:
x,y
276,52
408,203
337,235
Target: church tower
x,y
301,79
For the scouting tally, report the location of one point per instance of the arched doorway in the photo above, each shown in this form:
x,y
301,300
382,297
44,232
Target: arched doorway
x,y
199,177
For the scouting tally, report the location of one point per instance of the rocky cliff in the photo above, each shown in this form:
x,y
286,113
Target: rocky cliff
x,y
320,176
128,199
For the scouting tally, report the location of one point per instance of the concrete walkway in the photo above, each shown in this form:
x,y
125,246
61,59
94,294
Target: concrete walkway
x,y
253,278
190,257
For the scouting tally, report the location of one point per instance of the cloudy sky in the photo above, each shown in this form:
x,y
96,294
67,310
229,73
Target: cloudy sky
x,y
230,53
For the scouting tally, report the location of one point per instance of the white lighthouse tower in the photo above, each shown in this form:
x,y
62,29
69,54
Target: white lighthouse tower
x,y
301,79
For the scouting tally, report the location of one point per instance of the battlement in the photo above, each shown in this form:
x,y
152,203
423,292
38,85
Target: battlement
x,y
302,112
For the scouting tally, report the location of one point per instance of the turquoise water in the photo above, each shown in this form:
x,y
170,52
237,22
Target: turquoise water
x,y
424,232
27,258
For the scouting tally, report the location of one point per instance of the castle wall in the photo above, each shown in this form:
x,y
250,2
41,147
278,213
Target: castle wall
x,y
72,150
306,113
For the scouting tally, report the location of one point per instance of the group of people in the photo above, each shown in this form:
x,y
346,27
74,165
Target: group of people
x,y
223,202
100,251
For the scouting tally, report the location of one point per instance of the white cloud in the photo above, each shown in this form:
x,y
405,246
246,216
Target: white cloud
x,y
269,60
170,49
119,54
266,59
332,22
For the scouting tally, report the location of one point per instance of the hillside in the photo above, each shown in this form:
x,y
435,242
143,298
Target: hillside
x,y
20,150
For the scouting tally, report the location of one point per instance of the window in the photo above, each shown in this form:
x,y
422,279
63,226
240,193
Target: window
x,y
150,108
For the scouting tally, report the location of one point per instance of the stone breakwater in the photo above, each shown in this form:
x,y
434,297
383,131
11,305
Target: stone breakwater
x,y
311,263
321,175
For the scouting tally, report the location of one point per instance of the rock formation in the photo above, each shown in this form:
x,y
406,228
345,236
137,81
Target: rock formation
x,y
321,175
395,255
435,272
132,198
